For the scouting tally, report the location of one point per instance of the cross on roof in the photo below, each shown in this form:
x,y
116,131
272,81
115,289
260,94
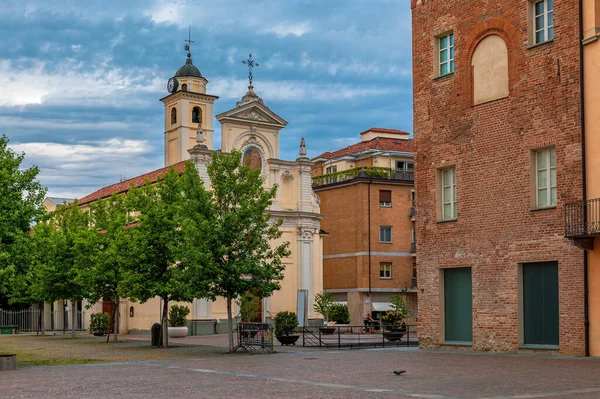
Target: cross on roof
x,y
189,40
251,64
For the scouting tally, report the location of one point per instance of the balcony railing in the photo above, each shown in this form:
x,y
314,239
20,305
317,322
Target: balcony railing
x,y
413,248
412,212
582,218
363,171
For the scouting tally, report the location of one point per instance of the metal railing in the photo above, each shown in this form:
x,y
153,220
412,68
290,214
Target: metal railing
x,y
363,171
32,320
582,218
412,212
343,336
413,247
255,337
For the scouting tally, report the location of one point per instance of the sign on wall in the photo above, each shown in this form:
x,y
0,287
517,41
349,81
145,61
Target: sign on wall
x,y
302,308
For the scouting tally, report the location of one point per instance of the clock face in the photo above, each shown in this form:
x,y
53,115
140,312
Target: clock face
x,y
172,85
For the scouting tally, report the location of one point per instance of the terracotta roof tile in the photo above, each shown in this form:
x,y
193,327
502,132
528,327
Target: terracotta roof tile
x,y
384,130
378,143
124,186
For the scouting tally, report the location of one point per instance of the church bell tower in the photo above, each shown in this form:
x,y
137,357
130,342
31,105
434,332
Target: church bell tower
x,y
188,110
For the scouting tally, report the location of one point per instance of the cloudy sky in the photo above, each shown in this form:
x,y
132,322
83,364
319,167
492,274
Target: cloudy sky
x,y
80,80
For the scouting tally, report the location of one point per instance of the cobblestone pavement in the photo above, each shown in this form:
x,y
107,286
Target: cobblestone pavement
x,y
317,374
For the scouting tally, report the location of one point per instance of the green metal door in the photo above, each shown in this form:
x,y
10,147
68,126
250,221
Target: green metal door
x,y
540,303
458,305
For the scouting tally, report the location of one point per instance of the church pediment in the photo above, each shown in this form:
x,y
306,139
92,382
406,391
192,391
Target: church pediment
x,y
254,112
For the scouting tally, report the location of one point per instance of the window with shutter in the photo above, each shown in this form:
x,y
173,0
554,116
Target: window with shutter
x,y
385,198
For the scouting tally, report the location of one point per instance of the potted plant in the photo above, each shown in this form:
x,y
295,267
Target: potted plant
x,y
285,326
178,321
339,313
99,323
322,305
394,326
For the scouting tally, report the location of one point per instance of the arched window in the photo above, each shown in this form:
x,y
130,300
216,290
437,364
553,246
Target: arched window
x,y
490,70
197,115
173,116
184,87
252,158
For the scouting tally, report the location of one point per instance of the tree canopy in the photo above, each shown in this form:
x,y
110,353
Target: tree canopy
x,y
236,234
21,197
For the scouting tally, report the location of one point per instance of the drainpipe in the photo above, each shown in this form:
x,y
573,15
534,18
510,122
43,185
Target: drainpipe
x,y
584,185
369,230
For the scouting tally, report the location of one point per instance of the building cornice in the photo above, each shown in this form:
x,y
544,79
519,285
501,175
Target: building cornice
x,y
189,95
361,180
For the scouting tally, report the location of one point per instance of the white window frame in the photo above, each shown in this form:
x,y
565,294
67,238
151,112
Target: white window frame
x,y
550,170
381,236
387,270
451,201
449,48
547,29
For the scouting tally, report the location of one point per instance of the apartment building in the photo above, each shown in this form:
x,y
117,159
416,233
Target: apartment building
x,y
366,193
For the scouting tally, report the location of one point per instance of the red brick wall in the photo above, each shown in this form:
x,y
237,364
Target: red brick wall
x,y
490,145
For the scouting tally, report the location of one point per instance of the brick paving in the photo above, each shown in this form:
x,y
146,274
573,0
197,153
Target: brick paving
x,y
317,374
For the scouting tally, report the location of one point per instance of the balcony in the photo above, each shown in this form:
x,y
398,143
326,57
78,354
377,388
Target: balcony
x,y
582,222
363,172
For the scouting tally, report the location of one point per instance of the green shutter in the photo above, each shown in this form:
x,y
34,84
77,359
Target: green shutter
x,y
458,305
540,303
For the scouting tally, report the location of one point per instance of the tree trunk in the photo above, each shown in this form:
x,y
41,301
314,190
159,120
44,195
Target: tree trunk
x,y
164,326
73,310
113,326
229,325
116,318
40,319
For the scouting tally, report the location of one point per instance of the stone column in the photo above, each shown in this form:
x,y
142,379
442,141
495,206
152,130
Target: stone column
x,y
305,266
201,156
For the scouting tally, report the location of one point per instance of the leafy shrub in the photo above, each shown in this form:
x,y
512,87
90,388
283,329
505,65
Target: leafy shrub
x,y
178,316
99,322
339,313
249,307
398,304
323,302
392,319
285,323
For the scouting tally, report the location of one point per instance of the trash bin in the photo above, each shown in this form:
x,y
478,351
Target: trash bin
x,y
155,334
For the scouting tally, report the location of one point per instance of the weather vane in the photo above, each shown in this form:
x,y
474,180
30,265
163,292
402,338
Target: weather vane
x,y
189,41
251,64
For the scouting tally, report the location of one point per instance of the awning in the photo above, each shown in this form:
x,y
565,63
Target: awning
x,y
381,306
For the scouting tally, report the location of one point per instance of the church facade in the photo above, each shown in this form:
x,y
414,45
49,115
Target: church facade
x,y
252,128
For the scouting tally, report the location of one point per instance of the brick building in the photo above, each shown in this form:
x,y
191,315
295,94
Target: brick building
x,y
497,119
366,193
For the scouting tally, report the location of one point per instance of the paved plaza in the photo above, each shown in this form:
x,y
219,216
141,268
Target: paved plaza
x,y
317,373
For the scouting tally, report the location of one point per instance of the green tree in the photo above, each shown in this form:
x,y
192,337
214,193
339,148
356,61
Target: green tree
x,y
59,256
21,197
155,269
323,303
230,244
107,240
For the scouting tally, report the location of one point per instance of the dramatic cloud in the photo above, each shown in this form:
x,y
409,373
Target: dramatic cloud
x,y
79,86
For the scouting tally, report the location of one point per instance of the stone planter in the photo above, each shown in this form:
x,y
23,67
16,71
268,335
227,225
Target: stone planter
x,y
8,362
287,339
178,332
327,330
395,335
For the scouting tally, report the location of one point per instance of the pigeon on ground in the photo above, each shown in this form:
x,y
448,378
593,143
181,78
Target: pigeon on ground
x,y
398,372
